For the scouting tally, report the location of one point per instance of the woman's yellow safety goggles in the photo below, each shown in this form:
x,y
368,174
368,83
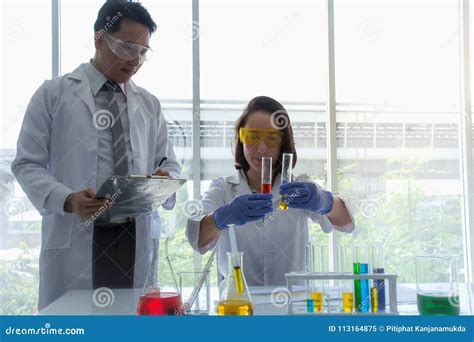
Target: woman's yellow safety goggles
x,y
253,136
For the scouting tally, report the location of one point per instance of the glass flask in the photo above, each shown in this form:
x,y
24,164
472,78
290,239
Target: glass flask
x,y
160,296
437,289
235,297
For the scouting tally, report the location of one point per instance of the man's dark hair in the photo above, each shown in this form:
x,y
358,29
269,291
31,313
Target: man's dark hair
x,y
114,11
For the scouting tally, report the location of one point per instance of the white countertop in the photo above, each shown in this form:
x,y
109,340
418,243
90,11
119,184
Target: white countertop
x,y
124,302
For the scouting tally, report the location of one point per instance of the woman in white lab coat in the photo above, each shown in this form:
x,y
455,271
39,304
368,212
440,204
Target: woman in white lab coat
x,y
273,241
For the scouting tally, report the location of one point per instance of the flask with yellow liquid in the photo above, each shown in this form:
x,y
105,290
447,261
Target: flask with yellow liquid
x,y
235,297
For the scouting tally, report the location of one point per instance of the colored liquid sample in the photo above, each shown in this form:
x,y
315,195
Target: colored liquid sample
x,y
283,204
357,293
348,302
239,281
380,285
160,304
310,305
438,304
364,289
266,188
318,301
374,301
235,307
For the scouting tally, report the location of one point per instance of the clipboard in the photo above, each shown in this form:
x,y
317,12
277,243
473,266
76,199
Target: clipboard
x,y
136,195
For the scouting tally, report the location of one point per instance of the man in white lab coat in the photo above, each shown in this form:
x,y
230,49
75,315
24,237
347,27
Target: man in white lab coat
x,y
80,129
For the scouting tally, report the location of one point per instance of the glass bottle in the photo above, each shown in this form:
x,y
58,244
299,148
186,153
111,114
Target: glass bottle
x,y
160,296
235,297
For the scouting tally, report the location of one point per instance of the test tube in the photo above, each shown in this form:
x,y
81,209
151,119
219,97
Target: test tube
x,y
286,170
357,292
378,296
266,181
361,287
364,288
346,287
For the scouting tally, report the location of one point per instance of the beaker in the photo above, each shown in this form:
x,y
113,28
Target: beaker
x,y
437,288
195,286
160,296
286,170
235,297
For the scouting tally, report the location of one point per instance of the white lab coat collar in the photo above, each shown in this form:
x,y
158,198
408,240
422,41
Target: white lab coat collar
x,y
83,91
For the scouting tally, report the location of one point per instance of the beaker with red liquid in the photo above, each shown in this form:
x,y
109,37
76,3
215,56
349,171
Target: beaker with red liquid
x,y
160,296
160,304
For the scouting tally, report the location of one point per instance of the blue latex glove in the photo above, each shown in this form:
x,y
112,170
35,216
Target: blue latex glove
x,y
306,195
243,209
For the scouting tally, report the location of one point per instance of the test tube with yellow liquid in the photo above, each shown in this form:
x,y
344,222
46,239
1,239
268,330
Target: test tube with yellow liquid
x,y
346,287
286,171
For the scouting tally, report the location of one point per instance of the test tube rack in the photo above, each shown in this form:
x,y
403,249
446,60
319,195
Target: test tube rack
x,y
297,277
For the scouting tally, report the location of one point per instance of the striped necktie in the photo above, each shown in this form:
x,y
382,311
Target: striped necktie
x,y
118,139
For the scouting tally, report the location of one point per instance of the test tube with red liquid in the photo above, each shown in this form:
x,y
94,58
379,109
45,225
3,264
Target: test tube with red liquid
x,y
266,187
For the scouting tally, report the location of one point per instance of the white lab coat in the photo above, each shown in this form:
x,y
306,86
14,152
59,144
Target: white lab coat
x,y
271,247
57,149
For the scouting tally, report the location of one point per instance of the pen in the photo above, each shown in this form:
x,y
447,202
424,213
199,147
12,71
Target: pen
x,y
162,161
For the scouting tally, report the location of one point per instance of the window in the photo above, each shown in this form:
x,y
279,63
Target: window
x,y
398,94
25,63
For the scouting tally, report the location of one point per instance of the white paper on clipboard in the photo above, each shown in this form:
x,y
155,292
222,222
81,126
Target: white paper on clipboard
x,y
135,195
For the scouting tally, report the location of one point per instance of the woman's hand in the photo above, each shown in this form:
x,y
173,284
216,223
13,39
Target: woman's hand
x,y
243,209
307,195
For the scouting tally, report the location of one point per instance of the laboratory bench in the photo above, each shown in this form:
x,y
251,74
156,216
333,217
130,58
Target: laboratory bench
x,y
124,302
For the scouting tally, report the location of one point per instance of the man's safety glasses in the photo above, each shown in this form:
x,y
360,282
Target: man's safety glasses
x,y
128,51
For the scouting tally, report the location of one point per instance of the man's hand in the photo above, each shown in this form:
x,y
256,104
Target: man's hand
x,y
161,172
84,203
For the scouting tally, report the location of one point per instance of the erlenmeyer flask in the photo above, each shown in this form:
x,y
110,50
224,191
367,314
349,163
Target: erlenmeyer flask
x,y
235,298
160,296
